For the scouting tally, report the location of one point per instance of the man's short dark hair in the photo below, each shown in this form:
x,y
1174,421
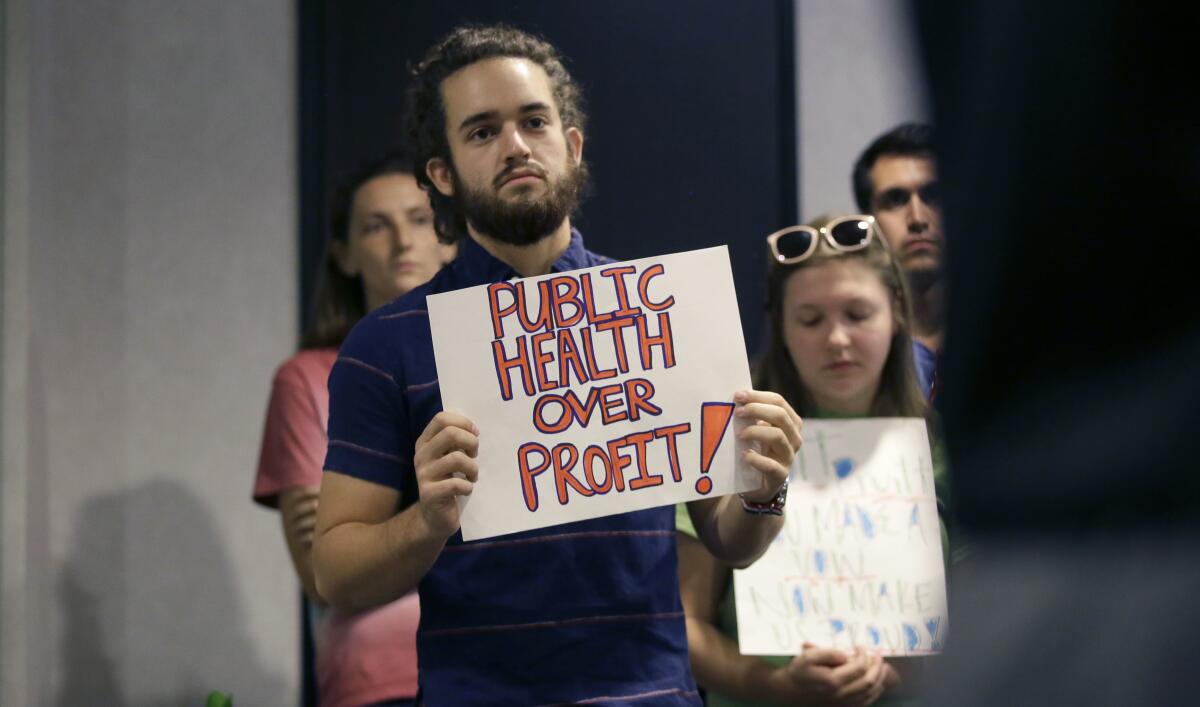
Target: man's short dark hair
x,y
904,140
426,119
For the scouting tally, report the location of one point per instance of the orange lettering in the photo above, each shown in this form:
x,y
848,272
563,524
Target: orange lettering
x,y
519,361
542,358
565,297
498,312
645,479
543,314
583,411
618,462
539,414
617,327
568,355
644,287
589,354
617,275
610,400
562,472
669,433
589,455
639,391
589,301
646,342
528,487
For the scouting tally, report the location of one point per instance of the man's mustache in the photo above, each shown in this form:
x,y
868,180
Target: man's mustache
x,y
531,167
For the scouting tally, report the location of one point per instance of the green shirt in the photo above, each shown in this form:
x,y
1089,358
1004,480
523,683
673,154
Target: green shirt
x,y
726,616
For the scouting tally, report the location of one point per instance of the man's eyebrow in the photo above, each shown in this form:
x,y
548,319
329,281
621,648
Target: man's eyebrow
x,y
492,115
478,118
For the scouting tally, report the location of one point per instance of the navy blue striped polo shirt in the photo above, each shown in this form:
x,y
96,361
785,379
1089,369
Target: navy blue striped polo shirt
x,y
587,612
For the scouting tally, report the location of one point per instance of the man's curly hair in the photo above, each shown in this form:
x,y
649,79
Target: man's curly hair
x,y
426,116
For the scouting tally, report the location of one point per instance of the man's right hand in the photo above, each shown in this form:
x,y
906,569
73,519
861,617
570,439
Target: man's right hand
x,y
446,468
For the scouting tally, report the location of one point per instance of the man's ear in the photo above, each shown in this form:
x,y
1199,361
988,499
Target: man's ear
x,y
438,171
575,142
340,252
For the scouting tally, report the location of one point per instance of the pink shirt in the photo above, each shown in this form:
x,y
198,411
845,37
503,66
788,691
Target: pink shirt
x,y
361,658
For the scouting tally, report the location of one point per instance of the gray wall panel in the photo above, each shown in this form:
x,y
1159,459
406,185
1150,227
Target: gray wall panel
x,y
857,75
161,293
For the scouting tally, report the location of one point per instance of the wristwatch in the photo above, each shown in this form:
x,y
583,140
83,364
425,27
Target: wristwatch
x,y
773,507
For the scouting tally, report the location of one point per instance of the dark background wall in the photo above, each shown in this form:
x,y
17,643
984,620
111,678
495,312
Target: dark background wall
x,y
691,141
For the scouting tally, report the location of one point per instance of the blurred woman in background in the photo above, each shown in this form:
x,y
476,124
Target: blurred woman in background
x,y
382,244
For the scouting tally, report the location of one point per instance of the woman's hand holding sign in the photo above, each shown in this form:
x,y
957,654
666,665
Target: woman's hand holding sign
x,y
776,430
446,468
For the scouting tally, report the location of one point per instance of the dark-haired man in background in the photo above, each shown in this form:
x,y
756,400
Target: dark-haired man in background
x,y
895,180
583,612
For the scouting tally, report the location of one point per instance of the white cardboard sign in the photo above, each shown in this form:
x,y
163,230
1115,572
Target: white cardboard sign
x,y
596,391
859,561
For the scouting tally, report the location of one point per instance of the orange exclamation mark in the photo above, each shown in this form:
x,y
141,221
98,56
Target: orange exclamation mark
x,y
714,418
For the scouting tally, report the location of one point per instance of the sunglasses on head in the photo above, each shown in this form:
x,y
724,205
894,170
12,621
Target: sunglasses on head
x,y
844,234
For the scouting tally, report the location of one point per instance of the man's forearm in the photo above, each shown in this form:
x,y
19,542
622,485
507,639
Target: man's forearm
x,y
359,566
731,534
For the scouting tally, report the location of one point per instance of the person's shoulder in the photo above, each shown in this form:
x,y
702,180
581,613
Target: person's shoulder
x,y
593,259
306,366
373,332
412,305
310,359
381,337
578,256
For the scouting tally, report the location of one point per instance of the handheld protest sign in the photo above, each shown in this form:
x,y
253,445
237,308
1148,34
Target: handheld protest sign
x,y
859,561
596,391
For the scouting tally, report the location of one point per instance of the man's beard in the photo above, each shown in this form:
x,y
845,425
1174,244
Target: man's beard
x,y
526,220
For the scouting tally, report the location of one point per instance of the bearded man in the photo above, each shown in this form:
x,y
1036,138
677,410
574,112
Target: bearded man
x,y
582,612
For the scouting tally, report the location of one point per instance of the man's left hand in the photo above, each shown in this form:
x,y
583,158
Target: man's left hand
x,y
776,428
